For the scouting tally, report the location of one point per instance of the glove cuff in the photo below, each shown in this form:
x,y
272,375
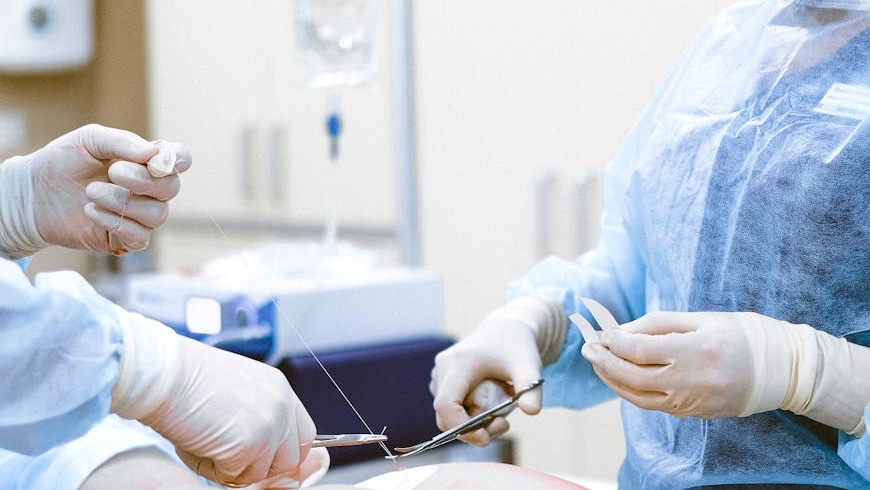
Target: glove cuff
x,y
783,362
148,366
808,372
838,389
545,318
18,234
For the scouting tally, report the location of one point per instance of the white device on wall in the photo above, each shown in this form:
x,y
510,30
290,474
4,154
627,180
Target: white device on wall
x,y
43,36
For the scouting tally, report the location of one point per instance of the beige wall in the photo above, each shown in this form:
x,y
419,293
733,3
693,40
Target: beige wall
x,y
109,90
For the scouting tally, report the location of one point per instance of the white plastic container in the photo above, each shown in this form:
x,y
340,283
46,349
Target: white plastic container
x,y
39,36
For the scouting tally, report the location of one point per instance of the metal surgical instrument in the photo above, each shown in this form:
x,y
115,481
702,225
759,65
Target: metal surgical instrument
x,y
346,440
478,421
328,441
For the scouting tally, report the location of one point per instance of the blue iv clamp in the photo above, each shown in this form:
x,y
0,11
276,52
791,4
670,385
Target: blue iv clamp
x,y
333,129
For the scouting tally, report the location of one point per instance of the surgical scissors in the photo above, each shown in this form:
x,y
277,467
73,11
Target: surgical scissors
x,y
478,421
346,440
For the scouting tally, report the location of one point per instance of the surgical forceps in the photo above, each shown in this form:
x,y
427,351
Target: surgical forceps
x,y
478,421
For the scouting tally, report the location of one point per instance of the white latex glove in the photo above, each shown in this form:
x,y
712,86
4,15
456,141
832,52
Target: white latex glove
x,y
104,189
18,235
233,420
510,347
711,365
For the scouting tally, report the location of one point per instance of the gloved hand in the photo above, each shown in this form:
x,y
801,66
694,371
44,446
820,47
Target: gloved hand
x,y
99,188
233,420
711,364
510,346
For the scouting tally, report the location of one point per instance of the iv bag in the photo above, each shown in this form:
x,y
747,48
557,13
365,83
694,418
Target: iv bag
x,y
334,42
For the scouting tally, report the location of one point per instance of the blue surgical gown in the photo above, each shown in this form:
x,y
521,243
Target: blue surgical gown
x,y
59,358
60,351
744,186
67,466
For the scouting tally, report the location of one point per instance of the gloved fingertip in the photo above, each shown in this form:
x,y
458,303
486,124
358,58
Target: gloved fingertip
x,y
531,402
591,352
494,434
162,164
180,155
480,437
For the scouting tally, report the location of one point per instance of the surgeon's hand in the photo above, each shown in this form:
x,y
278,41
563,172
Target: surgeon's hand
x,y
716,364
506,348
696,364
104,189
233,420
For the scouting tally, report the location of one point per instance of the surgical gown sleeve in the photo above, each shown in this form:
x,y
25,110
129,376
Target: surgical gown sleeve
x,y
59,358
